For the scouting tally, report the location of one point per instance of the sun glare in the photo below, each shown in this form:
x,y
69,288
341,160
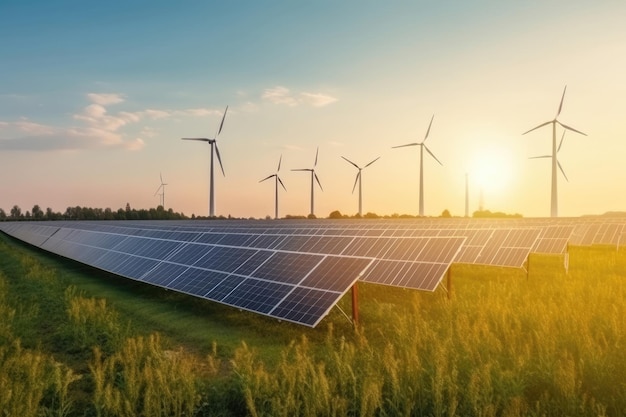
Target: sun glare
x,y
491,168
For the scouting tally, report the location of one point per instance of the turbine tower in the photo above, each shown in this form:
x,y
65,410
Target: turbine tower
x,y
213,150
313,177
276,181
554,208
422,146
466,194
162,189
358,179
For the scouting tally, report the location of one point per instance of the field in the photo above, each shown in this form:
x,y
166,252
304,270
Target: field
x,y
78,342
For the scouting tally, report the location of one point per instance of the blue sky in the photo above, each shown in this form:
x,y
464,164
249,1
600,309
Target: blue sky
x,y
95,96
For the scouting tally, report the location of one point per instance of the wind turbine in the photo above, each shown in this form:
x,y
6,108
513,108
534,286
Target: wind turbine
x,y
162,189
358,179
550,156
276,180
554,209
213,150
422,146
313,177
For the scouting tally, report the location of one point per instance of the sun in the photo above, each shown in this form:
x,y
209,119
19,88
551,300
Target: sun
x,y
491,168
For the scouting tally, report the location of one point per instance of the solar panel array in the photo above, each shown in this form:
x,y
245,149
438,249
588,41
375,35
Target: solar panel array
x,y
298,270
293,275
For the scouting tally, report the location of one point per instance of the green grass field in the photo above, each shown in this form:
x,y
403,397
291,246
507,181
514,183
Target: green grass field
x,y
79,342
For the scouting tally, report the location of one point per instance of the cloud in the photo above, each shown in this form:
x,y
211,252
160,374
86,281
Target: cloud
x,y
282,95
198,112
96,127
317,99
105,99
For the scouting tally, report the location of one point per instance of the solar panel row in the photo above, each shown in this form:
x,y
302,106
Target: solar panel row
x,y
297,278
297,271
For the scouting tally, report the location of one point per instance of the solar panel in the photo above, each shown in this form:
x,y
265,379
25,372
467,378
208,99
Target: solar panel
x,y
290,273
298,270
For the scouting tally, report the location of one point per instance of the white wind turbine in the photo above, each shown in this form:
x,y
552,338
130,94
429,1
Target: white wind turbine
x,y
313,179
558,149
213,150
162,189
359,179
554,208
422,146
276,181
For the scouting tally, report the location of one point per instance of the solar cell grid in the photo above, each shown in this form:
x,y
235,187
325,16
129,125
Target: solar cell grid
x,y
225,259
327,255
335,273
287,267
257,295
164,274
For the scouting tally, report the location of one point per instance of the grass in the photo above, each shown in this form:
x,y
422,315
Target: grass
x,y
506,343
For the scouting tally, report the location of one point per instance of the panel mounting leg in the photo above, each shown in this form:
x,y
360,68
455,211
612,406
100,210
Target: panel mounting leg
x,y
355,304
449,283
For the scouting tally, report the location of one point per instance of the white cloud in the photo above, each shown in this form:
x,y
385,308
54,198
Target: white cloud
x,y
105,99
156,114
198,112
96,127
317,99
282,95
279,95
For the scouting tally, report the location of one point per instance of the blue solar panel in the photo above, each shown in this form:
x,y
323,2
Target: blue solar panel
x,y
291,270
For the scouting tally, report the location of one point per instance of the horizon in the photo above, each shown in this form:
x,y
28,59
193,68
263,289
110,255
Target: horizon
x,y
92,117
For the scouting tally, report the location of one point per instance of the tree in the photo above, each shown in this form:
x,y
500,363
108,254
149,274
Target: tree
x,y
16,212
335,215
446,214
37,212
3,215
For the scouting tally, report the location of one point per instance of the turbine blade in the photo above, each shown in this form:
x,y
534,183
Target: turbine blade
x,y
561,105
562,172
161,175
222,124
535,128
158,189
571,128
404,146
200,139
355,181
428,131
219,158
357,167
279,161
371,162
318,181
431,154
302,169
561,143
268,177
316,154
542,156
281,182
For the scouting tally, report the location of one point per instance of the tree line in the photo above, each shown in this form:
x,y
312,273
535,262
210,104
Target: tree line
x,y
91,213
159,213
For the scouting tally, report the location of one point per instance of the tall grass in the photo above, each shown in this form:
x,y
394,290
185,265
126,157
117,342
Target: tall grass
x,y
31,382
550,344
144,380
92,323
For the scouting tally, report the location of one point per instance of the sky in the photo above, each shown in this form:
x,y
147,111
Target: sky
x,y
95,97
